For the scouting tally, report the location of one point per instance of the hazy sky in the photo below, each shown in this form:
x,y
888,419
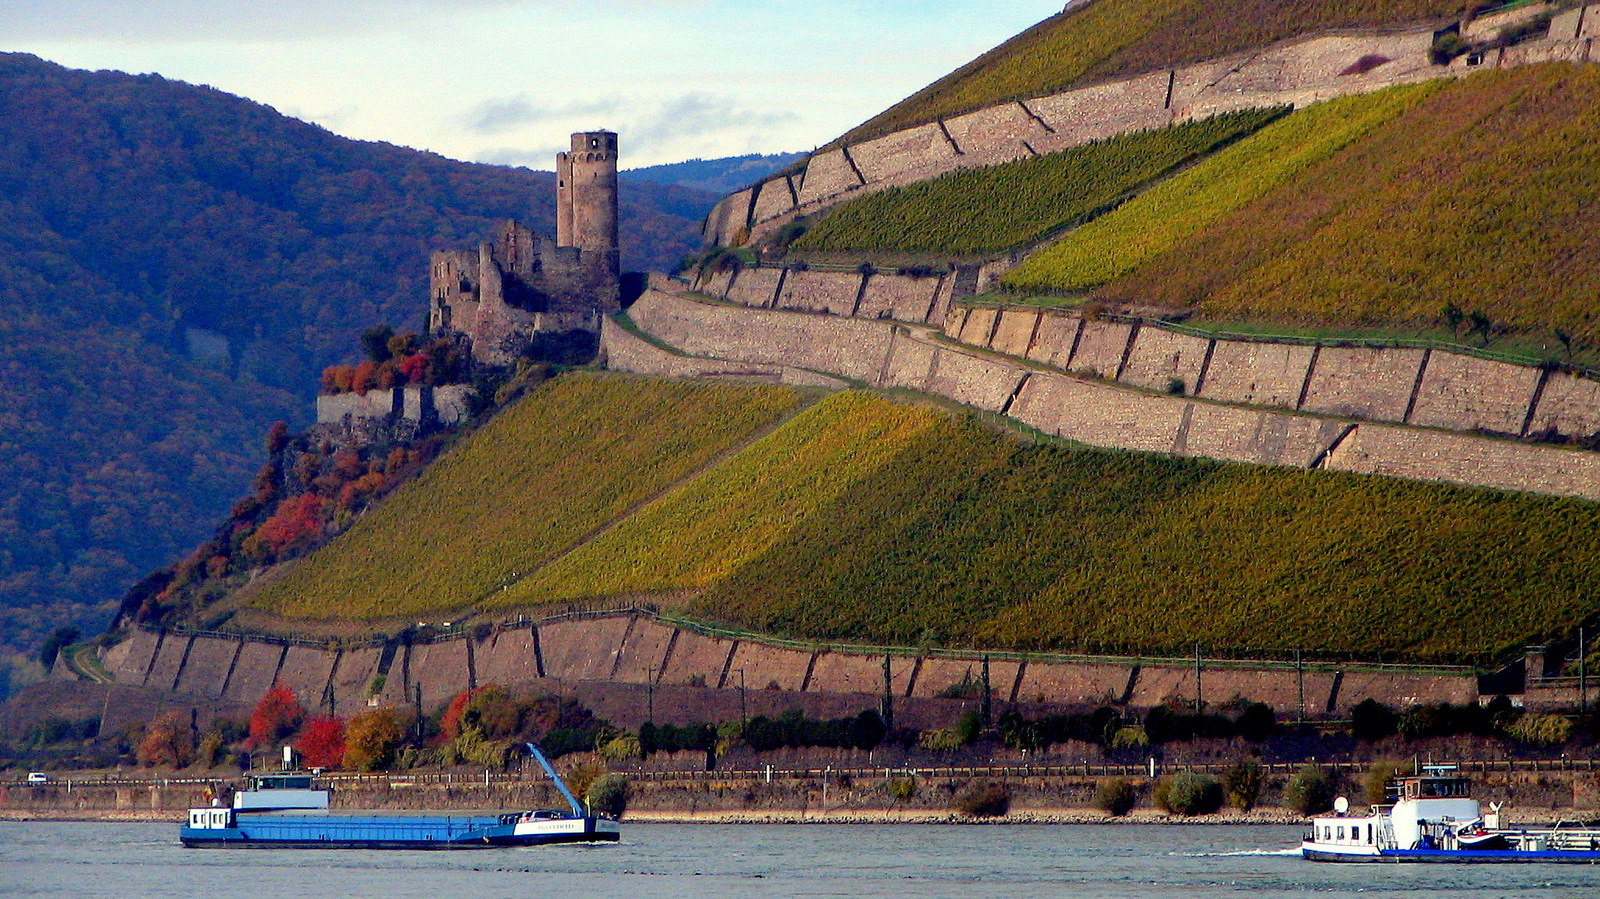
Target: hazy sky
x,y
506,80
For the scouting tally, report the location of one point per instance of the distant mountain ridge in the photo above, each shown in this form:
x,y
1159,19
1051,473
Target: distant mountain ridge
x,y
177,265
720,176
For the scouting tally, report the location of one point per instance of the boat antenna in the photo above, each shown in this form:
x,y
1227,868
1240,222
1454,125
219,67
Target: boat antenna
x,y
560,784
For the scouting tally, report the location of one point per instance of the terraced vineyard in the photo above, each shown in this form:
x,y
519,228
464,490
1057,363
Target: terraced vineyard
x,y
579,452
1096,40
1018,203
1480,197
869,520
1171,212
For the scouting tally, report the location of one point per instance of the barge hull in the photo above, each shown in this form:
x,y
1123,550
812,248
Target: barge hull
x,y
1456,856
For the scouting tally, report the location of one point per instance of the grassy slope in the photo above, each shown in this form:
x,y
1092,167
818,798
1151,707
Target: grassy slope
x,y
540,477
1173,211
863,519
1476,197
1107,39
1018,203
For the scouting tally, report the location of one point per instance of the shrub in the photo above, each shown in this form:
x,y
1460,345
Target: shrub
x,y
277,715
1187,793
371,740
621,748
1375,788
1309,791
1242,784
902,789
1257,722
1371,721
969,727
607,795
1115,797
1130,738
982,799
1541,730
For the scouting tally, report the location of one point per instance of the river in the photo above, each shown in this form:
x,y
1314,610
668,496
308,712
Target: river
x,y
675,861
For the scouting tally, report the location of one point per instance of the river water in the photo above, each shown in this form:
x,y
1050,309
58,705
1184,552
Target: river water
x,y
144,861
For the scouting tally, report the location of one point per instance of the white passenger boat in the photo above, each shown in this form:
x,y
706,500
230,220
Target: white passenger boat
x,y
1434,819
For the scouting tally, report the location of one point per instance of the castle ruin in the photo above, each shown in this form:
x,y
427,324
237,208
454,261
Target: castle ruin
x,y
521,283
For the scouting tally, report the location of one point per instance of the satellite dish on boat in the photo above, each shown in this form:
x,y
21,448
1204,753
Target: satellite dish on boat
x,y
1341,805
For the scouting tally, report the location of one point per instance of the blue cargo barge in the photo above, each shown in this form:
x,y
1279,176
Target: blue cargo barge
x,y
287,811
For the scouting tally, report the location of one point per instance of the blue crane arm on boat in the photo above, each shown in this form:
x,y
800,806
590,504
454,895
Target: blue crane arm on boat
x,y
561,785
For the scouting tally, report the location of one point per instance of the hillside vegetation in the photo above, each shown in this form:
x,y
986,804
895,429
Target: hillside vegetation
x,y
1099,40
177,265
533,482
863,519
1018,203
1171,212
1479,198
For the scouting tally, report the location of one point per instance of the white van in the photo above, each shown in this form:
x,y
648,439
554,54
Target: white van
x,y
38,777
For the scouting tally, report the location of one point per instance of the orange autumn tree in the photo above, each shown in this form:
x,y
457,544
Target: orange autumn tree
x,y
276,716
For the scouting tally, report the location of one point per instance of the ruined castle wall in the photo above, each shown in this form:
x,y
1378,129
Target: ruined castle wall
x,y
813,291
209,661
827,175
907,298
698,659
769,667
643,652
1262,374
1101,348
1073,683
130,659
1161,357
1014,334
254,673
1361,382
1464,459
507,657
776,198
754,287
1463,393
836,672
372,404
1569,405
852,348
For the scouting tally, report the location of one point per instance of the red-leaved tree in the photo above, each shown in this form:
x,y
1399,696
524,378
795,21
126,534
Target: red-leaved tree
x,y
276,716
321,743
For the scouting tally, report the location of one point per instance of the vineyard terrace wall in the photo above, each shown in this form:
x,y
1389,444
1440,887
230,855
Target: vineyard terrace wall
x,y
1431,388
636,648
1279,431
1293,72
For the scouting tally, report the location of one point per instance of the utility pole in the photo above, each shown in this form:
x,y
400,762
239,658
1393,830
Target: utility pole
x,y
650,694
988,707
888,695
744,714
418,685
1199,701
1583,676
1300,679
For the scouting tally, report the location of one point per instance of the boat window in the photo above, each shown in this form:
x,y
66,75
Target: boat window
x,y
1369,833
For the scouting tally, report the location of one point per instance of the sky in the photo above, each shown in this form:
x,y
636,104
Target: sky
x,y
505,81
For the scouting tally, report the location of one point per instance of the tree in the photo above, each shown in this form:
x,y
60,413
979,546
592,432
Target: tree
x,y
168,741
375,343
277,715
371,739
59,639
1371,721
321,744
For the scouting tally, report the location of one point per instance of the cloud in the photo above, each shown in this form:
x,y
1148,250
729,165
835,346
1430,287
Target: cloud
x,y
700,114
501,115
207,21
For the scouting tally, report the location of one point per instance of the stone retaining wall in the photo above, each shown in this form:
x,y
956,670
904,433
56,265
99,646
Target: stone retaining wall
x,y
1293,72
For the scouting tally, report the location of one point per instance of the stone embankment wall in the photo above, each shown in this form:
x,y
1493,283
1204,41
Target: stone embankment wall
x,y
1278,428
1427,388
1293,72
610,661
906,297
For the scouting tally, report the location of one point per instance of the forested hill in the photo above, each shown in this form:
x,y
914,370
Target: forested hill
x,y
176,267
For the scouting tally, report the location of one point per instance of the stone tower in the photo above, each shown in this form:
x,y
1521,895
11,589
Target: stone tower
x,y
586,193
